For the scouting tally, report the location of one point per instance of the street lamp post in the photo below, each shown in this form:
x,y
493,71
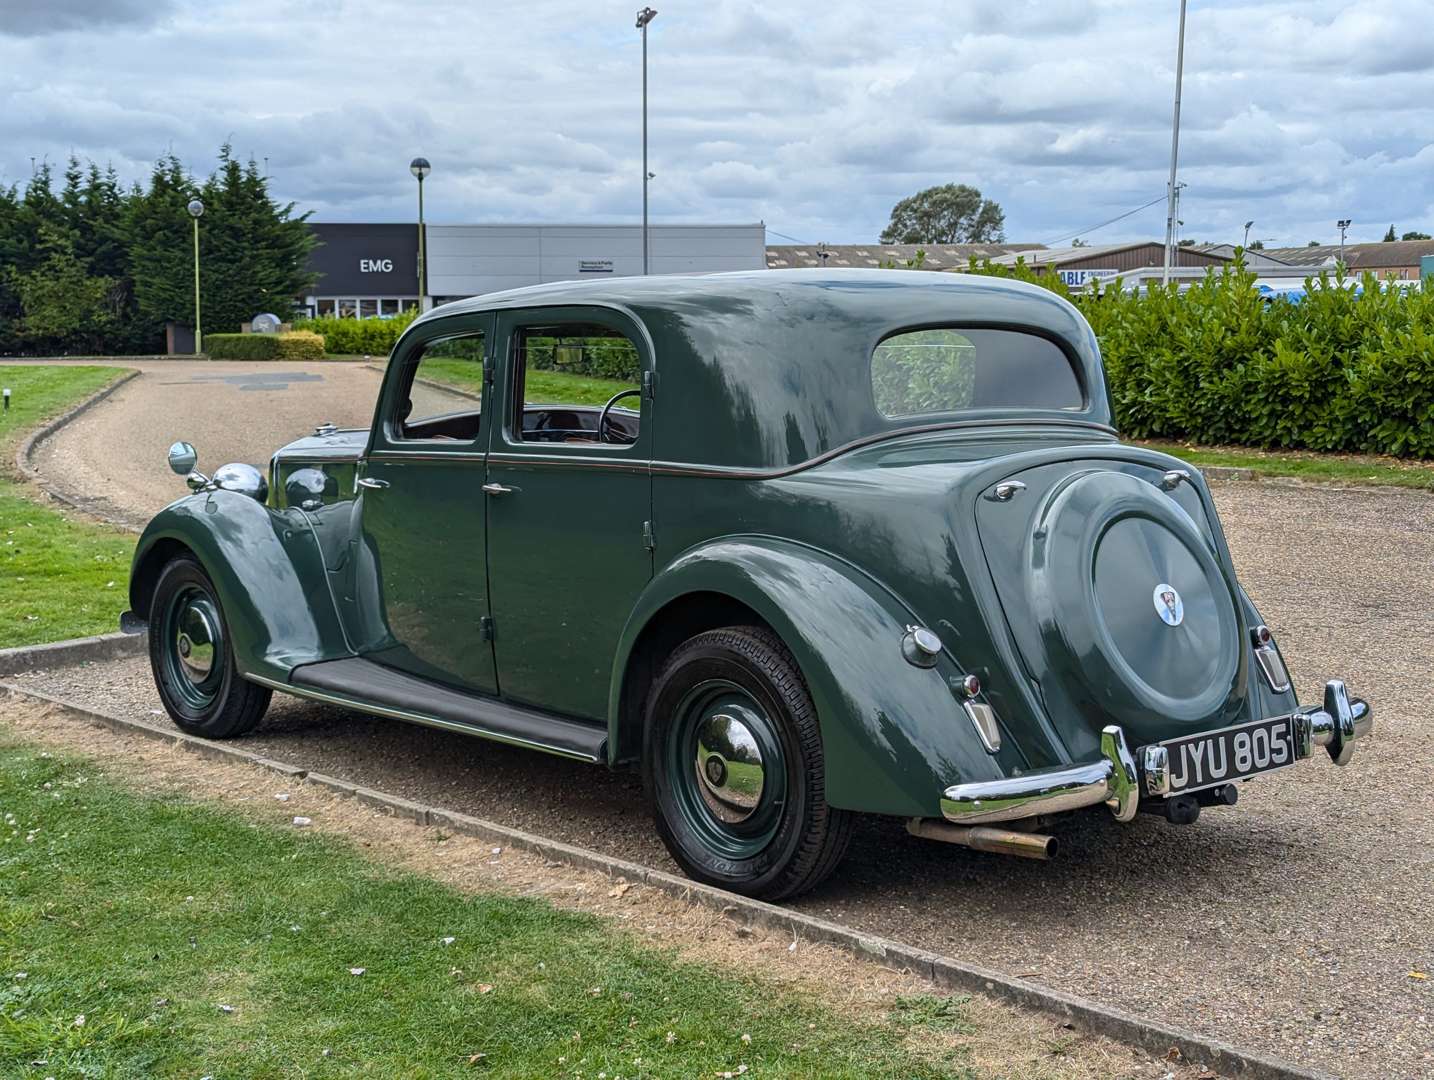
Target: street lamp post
x,y
196,211
645,16
420,168
1247,234
1171,193
1343,224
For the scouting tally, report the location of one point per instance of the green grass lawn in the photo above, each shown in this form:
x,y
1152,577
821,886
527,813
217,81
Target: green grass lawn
x,y
145,936
540,386
1307,464
59,577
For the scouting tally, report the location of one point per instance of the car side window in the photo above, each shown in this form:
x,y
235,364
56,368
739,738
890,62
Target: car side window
x,y
577,383
943,370
443,391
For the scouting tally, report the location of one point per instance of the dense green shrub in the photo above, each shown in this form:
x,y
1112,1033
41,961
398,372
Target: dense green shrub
x,y
1335,370
301,345
359,337
241,346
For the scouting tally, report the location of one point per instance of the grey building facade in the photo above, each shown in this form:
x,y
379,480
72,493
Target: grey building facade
x,y
368,270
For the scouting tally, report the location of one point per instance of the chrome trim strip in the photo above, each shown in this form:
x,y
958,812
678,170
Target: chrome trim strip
x,y
416,718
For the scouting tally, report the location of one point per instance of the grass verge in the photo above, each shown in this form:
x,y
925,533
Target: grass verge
x,y
154,936
59,577
1348,469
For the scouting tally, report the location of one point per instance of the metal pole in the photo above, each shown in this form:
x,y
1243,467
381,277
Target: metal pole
x,y
644,149
198,333
422,253
1174,153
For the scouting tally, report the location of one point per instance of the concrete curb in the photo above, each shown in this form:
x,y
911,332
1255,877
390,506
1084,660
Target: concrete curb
x,y
1082,1013
32,441
59,654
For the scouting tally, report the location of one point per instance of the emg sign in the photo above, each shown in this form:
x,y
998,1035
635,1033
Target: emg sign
x,y
375,266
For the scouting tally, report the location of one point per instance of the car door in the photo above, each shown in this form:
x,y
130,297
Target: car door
x,y
420,580
569,507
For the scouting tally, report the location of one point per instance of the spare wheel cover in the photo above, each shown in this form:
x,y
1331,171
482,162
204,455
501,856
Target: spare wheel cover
x,y
1102,550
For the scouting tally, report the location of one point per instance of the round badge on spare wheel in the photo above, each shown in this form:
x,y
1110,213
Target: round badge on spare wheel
x,y
1107,547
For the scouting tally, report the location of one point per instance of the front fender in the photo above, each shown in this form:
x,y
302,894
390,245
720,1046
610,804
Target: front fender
x,y
267,569
894,735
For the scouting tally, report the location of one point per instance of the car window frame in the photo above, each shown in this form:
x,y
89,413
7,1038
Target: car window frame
x,y
403,365
507,436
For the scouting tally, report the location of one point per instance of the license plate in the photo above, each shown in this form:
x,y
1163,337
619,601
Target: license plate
x,y
1234,753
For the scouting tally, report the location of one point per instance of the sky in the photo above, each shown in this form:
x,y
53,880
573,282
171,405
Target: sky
x,y
814,116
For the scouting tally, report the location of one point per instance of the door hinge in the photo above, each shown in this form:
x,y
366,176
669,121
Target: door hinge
x,y
649,537
485,628
649,385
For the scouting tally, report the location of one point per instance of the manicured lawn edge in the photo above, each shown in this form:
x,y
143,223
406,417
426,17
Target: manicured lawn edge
x,y
1336,470
48,427
945,972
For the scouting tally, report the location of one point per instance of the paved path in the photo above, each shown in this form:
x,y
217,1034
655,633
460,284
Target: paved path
x,y
1289,924
230,411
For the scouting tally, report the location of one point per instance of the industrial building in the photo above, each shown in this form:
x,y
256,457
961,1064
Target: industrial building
x,y
1399,259
372,269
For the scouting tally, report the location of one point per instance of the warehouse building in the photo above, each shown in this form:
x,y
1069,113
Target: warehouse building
x,y
1079,266
1399,259
867,256
372,269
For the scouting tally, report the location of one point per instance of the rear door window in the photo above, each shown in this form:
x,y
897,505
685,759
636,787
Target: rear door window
x,y
921,372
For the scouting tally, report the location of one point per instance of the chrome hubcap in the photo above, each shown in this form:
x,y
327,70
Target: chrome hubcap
x,y
730,771
195,637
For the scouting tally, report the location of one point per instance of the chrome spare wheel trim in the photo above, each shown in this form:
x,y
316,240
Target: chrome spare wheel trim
x,y
1111,780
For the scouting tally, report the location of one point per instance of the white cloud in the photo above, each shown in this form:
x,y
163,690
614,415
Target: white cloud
x,y
814,116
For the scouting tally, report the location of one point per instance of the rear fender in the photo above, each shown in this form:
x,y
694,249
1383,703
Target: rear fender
x,y
267,569
894,736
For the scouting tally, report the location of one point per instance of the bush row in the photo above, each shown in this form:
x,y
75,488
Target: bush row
x,y
359,337
1337,369
298,345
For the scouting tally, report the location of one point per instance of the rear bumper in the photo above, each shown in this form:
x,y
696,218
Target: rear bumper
x,y
1116,780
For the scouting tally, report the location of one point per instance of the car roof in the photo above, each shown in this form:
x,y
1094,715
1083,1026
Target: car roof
x,y
771,368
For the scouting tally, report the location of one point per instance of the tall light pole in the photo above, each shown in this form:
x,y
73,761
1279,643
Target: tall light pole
x,y
196,211
1343,224
420,168
1174,153
645,16
1247,234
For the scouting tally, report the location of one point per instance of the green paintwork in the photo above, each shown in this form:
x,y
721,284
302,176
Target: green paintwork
x,y
763,475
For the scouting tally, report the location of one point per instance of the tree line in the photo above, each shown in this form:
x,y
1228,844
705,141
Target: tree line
x,y
89,266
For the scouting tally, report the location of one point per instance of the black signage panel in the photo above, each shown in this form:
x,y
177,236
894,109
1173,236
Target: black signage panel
x,y
365,260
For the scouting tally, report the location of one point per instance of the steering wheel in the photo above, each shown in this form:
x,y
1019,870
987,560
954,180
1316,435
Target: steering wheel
x,y
604,435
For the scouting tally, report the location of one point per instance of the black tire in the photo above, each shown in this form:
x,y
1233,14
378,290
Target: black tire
x,y
786,839
198,683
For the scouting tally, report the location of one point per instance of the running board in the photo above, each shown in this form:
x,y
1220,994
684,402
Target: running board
x,y
383,691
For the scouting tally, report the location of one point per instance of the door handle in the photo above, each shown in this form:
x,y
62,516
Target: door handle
x,y
372,483
497,489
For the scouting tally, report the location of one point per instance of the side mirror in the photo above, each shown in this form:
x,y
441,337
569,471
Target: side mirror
x,y
182,458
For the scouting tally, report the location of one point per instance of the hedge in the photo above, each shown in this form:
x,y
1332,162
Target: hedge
x,y
301,345
298,345
359,337
241,346
1218,363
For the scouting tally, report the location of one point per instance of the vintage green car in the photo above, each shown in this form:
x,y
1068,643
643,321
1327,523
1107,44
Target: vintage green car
x,y
842,542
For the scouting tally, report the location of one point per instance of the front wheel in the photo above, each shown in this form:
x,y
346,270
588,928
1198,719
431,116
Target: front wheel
x,y
193,660
732,759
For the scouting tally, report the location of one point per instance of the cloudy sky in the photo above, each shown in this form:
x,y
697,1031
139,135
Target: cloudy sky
x,y
811,115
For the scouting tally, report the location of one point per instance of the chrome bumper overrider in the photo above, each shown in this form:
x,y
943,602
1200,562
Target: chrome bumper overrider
x,y
1114,779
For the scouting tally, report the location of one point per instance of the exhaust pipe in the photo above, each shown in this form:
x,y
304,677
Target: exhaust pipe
x,y
1025,845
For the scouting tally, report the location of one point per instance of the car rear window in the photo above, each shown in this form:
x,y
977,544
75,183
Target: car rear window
x,y
920,372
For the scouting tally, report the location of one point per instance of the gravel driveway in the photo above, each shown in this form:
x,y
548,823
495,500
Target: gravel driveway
x,y
1290,924
114,456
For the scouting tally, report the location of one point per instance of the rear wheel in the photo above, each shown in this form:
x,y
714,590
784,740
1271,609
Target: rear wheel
x,y
733,762
193,660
